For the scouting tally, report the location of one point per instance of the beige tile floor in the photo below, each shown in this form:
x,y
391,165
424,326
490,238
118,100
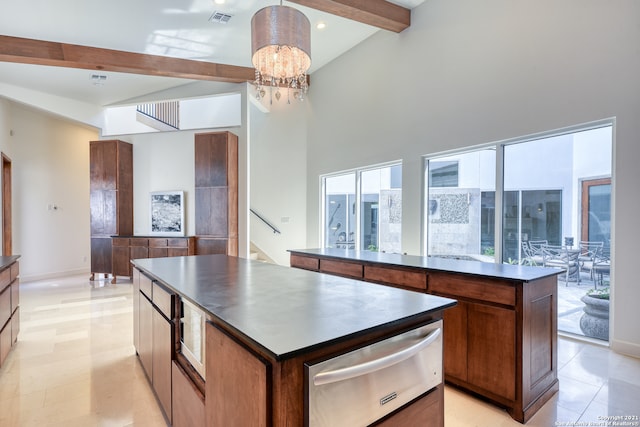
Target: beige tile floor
x,y
74,365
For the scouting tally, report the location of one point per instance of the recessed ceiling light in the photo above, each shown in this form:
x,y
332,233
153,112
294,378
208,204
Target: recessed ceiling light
x,y
321,25
219,1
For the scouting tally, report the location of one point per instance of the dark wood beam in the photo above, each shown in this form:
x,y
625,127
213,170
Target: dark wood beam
x,y
38,52
378,13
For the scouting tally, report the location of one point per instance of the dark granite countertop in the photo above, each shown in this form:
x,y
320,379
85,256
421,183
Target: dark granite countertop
x,y
284,310
7,260
521,273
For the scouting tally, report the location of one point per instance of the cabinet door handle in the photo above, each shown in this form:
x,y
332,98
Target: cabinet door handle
x,y
383,362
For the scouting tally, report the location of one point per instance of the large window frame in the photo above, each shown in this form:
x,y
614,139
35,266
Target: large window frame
x,y
499,176
358,172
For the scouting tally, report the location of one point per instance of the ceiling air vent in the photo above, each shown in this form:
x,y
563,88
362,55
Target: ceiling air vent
x,y
219,17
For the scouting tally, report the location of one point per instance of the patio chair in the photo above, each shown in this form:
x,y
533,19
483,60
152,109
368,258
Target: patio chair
x,y
601,267
589,251
532,255
565,258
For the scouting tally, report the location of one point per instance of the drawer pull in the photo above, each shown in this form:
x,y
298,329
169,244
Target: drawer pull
x,y
383,362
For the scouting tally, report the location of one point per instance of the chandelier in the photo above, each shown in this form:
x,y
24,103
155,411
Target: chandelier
x,y
281,48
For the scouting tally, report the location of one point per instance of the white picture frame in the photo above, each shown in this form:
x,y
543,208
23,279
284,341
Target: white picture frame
x,y
166,213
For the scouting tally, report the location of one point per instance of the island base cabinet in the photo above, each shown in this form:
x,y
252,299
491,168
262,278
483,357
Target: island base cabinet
x,y
426,411
187,400
162,346
236,387
145,335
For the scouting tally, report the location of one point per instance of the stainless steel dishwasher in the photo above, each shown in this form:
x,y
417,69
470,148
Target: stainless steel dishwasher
x,y
362,386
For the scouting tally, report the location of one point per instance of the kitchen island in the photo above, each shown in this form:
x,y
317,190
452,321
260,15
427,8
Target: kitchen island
x,y
501,338
266,327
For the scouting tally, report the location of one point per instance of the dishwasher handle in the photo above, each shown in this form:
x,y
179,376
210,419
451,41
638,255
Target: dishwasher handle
x,y
383,362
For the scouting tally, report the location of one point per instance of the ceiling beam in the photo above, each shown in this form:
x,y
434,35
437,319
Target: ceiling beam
x,y
38,52
378,13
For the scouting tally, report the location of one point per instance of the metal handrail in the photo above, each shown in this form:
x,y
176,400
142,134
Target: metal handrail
x,y
273,227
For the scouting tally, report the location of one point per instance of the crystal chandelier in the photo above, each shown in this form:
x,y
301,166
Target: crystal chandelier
x,y
281,48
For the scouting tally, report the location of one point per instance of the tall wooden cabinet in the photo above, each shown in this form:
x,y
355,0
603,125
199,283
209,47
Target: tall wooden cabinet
x,y
216,188
111,200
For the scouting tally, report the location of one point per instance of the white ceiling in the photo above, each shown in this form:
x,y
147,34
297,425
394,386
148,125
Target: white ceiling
x,y
176,28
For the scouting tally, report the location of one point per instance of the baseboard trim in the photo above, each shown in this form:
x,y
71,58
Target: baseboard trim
x,y
626,348
53,275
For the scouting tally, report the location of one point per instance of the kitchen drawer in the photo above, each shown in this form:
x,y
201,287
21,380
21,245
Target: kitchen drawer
x,y
5,278
15,270
138,241
171,252
396,276
485,290
5,342
188,401
178,243
304,262
146,286
164,300
15,294
120,241
15,325
426,411
341,268
158,252
5,306
157,243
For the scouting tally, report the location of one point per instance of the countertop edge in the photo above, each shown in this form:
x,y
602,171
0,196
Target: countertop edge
x,y
320,253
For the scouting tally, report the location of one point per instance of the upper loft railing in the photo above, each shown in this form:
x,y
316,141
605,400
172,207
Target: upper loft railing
x,y
273,227
166,114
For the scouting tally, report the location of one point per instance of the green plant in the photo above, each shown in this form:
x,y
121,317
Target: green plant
x,y
602,293
489,251
372,248
511,261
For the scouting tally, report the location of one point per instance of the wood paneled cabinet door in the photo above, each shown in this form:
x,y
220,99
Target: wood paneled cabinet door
x,y
236,387
162,346
480,347
145,334
216,192
111,198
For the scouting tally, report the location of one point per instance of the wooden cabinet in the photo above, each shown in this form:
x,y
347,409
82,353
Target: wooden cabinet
x,y
216,193
111,199
426,411
501,338
162,355
126,248
145,335
187,400
237,383
154,336
9,306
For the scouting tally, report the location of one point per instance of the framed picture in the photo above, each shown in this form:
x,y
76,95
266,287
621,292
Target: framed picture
x,y
167,213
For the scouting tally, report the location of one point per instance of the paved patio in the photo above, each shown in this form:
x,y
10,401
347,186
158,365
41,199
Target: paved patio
x,y
569,304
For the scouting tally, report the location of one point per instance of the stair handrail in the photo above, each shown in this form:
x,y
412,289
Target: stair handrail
x,y
273,227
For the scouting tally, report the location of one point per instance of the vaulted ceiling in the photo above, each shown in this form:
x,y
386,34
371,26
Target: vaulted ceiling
x,y
146,46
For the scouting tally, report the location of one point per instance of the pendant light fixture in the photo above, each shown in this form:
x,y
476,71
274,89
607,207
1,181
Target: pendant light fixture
x,y
281,49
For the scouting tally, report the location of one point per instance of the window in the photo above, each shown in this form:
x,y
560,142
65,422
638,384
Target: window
x,y
339,211
363,209
443,174
460,205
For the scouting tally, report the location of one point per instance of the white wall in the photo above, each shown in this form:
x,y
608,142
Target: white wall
x,y
278,178
468,73
50,167
165,161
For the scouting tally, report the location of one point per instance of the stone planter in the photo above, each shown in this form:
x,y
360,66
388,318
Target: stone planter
x,y
595,320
